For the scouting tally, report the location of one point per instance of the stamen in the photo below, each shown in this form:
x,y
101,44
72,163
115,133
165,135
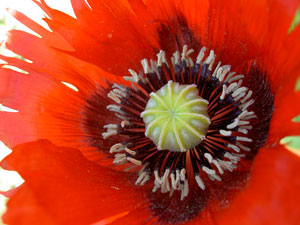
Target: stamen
x,y
134,77
185,56
200,182
216,69
117,148
211,174
237,77
109,133
225,132
243,147
175,58
134,161
114,97
129,151
124,123
210,58
235,148
200,55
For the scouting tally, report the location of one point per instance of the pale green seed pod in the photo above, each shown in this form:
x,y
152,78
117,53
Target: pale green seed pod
x,y
176,117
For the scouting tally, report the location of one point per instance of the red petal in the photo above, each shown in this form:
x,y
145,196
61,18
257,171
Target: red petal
x,y
272,195
111,42
286,108
62,187
48,109
54,62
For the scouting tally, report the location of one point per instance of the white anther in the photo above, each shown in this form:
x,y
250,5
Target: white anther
x,y
244,106
247,96
177,176
209,157
210,58
134,161
124,123
238,85
114,108
120,159
157,178
211,174
212,63
146,178
242,94
250,117
242,122
120,116
111,126
246,127
231,87
239,91
244,113
129,151
117,148
114,97
238,155
223,92
182,174
242,130
237,77
175,58
156,186
227,165
200,182
142,179
171,192
216,69
120,93
216,163
165,181
222,73
145,66
134,77
225,132
245,139
200,55
235,148
119,86
232,157
185,190
153,68
109,133
230,75
173,181
161,58
185,56
243,147
234,124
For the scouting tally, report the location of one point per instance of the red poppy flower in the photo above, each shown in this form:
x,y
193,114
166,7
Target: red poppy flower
x,y
203,126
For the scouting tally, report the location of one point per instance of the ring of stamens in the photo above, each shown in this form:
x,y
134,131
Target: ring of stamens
x,y
226,136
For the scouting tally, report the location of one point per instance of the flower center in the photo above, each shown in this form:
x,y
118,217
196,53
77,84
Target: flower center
x,y
196,112
176,117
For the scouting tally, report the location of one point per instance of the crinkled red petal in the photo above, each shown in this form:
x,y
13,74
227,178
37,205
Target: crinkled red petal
x,y
48,109
272,194
286,108
63,187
